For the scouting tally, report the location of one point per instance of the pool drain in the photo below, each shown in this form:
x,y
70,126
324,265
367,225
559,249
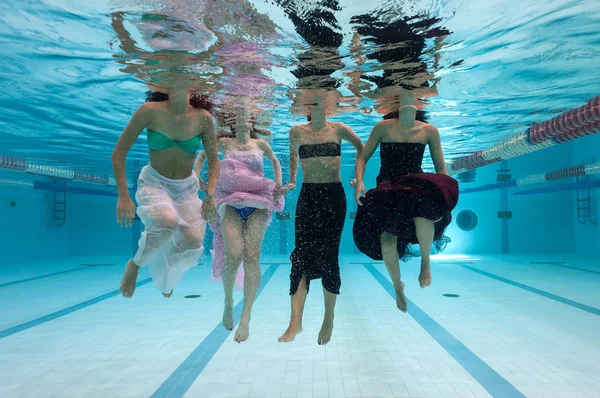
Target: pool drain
x,y
450,295
192,296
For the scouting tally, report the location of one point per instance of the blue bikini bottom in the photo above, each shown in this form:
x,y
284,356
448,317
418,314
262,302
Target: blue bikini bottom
x,y
244,212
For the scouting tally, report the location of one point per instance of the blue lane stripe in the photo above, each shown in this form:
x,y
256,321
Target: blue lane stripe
x,y
184,376
575,304
489,379
41,276
69,310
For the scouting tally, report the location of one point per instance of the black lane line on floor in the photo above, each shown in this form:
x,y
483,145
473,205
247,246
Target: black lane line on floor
x,y
574,304
35,278
565,266
182,378
488,378
66,311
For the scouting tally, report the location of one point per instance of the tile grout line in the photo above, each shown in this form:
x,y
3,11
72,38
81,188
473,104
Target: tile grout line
x,y
488,378
182,378
572,303
34,278
568,267
65,311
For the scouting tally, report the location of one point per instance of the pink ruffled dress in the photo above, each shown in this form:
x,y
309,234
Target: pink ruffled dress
x,y
243,186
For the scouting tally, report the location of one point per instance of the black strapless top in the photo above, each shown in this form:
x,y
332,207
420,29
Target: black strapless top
x,y
317,150
400,158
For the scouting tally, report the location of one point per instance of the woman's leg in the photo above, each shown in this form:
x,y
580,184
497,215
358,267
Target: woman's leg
x,y
233,240
327,326
389,250
160,221
256,225
425,231
303,226
335,207
298,300
183,253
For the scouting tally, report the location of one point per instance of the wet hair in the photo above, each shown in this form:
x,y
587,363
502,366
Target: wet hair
x,y
421,116
254,132
196,100
308,118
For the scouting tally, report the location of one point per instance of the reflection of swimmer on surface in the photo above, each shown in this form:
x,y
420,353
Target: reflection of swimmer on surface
x,y
321,208
400,47
193,39
170,48
167,190
408,205
245,200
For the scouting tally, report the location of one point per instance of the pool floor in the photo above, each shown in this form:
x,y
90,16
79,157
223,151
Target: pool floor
x,y
509,326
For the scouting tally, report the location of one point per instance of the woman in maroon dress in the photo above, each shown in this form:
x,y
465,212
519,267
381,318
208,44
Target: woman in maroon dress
x,y
408,205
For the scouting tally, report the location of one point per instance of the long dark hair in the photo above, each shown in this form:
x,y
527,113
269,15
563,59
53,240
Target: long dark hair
x,y
421,116
196,100
254,132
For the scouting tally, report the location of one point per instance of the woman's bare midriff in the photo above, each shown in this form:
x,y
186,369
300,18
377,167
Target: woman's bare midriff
x,y
320,170
172,163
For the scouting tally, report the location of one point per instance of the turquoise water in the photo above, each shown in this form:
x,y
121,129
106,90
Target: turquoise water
x,y
513,308
67,83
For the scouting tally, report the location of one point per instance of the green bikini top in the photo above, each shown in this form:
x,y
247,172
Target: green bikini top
x,y
158,142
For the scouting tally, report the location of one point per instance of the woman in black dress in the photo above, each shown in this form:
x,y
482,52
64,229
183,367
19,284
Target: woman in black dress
x,y
320,212
408,205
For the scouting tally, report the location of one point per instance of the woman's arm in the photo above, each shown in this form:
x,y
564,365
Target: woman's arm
x,y
125,207
209,142
199,163
347,134
293,159
269,154
363,158
367,152
127,43
198,166
435,149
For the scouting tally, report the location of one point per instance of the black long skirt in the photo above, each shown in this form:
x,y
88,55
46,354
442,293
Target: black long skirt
x,y
320,216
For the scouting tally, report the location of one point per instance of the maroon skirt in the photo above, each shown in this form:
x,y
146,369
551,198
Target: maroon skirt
x,y
392,206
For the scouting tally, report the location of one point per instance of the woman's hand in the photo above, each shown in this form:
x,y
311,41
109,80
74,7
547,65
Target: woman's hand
x,y
278,193
125,211
353,182
203,185
359,191
209,209
289,187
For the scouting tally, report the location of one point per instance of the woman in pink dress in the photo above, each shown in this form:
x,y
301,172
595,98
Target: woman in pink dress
x,y
245,200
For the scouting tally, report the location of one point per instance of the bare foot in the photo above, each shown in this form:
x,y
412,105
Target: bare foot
x,y
401,301
228,315
167,295
290,334
425,275
242,332
325,333
129,279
